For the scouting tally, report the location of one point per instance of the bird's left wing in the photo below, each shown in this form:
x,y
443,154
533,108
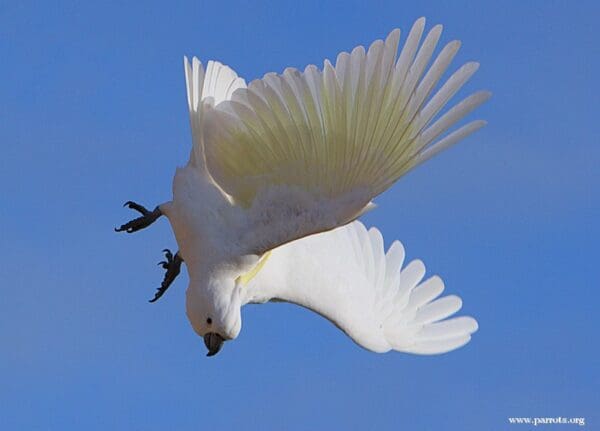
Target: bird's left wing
x,y
304,152
346,276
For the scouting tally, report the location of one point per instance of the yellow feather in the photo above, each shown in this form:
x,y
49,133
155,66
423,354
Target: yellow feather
x,y
245,278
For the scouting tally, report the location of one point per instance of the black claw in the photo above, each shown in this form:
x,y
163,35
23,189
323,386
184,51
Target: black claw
x,y
173,267
147,218
135,206
168,255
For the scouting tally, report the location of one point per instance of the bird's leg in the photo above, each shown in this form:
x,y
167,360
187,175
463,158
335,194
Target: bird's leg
x,y
147,218
173,265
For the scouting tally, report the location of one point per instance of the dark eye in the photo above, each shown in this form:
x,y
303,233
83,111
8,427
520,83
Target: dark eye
x,y
209,320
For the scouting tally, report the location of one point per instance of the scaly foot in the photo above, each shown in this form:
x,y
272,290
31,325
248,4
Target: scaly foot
x,y
147,218
173,266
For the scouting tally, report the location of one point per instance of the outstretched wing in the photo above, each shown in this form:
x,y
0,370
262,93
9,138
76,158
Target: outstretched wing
x,y
305,152
346,276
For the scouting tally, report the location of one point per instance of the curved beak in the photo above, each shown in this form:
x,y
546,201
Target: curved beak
x,y
213,342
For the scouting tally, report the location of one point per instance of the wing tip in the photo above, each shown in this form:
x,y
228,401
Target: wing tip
x,y
474,324
471,66
394,34
485,95
437,30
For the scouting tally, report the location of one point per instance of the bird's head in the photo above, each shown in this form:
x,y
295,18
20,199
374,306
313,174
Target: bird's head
x,y
214,312
214,302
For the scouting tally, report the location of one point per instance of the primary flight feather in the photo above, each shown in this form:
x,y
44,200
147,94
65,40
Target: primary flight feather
x,y
280,169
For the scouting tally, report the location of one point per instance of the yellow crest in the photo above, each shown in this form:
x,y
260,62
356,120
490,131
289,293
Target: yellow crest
x,y
244,279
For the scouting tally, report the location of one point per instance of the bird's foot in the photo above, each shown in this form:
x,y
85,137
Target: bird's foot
x,y
147,218
173,265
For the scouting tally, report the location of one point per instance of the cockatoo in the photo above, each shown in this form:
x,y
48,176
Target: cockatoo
x,y
279,171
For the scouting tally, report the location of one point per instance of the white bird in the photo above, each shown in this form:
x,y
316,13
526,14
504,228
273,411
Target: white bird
x,y
280,169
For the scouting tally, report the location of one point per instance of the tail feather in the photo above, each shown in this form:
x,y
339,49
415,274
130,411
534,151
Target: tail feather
x,y
205,88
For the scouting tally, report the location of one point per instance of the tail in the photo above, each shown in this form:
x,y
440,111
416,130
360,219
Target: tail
x,y
206,88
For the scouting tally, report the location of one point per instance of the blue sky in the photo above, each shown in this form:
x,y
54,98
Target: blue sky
x,y
93,113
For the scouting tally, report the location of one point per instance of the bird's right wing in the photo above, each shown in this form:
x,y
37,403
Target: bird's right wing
x,y
346,276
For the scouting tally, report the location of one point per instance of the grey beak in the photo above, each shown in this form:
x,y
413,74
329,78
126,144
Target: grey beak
x,y
213,342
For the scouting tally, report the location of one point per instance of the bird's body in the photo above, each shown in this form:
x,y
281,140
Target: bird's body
x,y
281,168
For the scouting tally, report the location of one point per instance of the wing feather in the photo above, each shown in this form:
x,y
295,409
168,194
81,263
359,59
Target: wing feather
x,y
359,123
312,149
346,276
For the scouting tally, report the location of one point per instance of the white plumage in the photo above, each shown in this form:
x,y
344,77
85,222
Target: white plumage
x,y
346,276
279,168
326,142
